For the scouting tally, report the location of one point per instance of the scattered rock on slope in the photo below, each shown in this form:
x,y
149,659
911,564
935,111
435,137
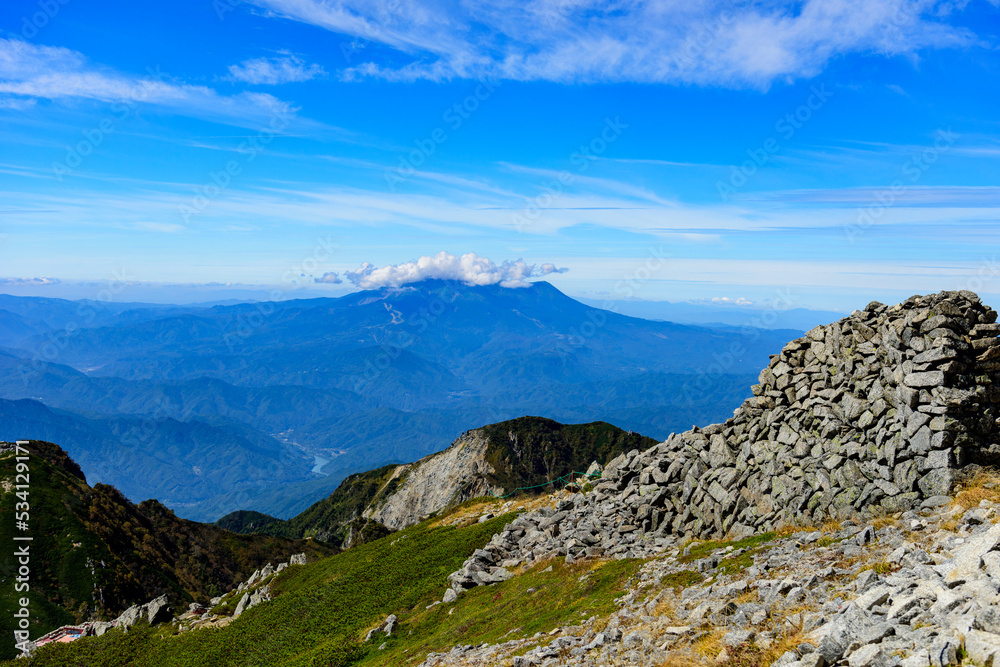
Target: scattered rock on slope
x,y
920,590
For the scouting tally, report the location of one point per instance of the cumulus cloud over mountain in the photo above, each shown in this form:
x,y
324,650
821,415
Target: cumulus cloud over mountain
x,y
469,268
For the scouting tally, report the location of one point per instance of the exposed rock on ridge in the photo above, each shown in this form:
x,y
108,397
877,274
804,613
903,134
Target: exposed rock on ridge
x,y
496,459
876,412
435,482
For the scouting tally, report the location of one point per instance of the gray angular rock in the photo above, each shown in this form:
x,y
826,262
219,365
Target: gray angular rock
x,y
158,610
926,379
129,617
983,648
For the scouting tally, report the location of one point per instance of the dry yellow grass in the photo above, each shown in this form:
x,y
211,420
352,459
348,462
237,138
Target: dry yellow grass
x,y
706,650
465,516
791,529
848,562
950,525
686,660
711,644
831,526
665,607
881,567
984,485
754,656
884,520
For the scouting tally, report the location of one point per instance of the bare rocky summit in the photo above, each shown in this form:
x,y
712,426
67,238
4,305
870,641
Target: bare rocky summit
x,y
495,460
874,413
879,414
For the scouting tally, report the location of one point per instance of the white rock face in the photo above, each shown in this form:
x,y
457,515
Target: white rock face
x,y
436,482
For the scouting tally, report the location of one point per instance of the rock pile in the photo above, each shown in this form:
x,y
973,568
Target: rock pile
x,y
385,628
577,526
875,413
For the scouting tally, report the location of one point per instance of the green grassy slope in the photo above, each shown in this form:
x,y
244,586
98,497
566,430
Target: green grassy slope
x,y
323,610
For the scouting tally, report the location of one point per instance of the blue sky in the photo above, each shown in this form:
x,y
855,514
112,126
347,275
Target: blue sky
x,y
839,151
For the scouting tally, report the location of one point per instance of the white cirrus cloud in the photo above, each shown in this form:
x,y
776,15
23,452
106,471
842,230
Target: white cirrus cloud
x,y
469,268
31,71
713,42
286,68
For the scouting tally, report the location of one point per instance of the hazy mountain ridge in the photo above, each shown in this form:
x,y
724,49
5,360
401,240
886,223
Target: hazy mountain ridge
x,y
779,314
375,377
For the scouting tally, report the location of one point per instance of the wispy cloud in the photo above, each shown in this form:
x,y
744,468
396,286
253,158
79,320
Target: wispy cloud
x,y
591,183
930,196
286,68
29,72
472,210
17,103
657,163
711,43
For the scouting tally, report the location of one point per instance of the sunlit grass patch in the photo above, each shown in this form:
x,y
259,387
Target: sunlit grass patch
x,y
696,550
984,485
548,595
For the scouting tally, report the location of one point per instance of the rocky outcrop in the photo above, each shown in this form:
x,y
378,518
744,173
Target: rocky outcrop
x,y
253,598
530,454
436,482
153,612
875,413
